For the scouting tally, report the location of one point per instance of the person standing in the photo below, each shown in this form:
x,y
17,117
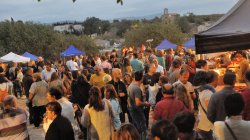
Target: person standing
x,y
13,121
46,73
97,78
168,106
60,128
121,92
216,109
136,64
38,93
111,95
233,128
27,82
246,97
97,116
136,104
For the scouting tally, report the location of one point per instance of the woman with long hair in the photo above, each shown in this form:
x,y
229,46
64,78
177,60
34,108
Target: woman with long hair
x,y
127,68
80,89
182,95
66,80
55,80
111,95
97,116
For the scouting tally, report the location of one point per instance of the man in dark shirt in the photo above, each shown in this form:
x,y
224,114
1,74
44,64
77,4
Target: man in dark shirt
x,y
136,104
216,109
121,91
27,82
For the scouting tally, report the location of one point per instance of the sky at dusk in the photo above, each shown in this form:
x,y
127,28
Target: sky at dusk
x,y
49,11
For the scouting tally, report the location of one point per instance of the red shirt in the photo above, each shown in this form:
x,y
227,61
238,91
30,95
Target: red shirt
x,y
246,97
167,108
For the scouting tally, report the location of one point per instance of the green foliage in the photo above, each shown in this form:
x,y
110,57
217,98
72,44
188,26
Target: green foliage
x,y
39,39
156,31
95,25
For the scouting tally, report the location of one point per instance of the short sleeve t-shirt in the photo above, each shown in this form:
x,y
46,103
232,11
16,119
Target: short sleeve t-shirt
x,y
134,91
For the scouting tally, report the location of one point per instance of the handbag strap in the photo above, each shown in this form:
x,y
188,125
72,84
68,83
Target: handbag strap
x,y
199,101
231,131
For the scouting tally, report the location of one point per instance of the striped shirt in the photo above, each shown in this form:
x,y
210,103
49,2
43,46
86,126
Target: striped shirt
x,y
13,125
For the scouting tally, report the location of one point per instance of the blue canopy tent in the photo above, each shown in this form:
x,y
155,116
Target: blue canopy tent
x,y
190,43
165,44
31,56
71,51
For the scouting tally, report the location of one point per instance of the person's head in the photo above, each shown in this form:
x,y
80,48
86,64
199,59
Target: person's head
x,y
191,59
184,76
234,104
103,58
67,75
156,62
107,78
110,92
54,76
29,71
229,78
75,74
135,55
202,64
128,78
3,79
169,51
127,132
140,55
37,76
184,121
167,89
164,130
180,89
138,76
200,78
55,93
48,66
53,109
212,78
126,62
240,55
163,80
176,63
161,53
95,99
116,73
152,68
9,102
98,69
39,59
247,76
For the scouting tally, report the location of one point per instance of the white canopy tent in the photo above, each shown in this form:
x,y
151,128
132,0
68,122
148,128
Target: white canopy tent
x,y
12,57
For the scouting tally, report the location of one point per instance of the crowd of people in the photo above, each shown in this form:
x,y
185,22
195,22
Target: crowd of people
x,y
112,96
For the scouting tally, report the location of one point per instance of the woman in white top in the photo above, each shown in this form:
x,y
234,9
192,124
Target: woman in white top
x,y
233,128
97,116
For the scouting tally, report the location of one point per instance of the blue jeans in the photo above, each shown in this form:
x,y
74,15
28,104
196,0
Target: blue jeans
x,y
138,120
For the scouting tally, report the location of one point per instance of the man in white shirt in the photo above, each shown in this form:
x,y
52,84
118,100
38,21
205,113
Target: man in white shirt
x,y
46,73
183,79
159,68
73,65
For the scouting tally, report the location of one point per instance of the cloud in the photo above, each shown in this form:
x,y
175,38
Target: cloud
x,y
48,11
